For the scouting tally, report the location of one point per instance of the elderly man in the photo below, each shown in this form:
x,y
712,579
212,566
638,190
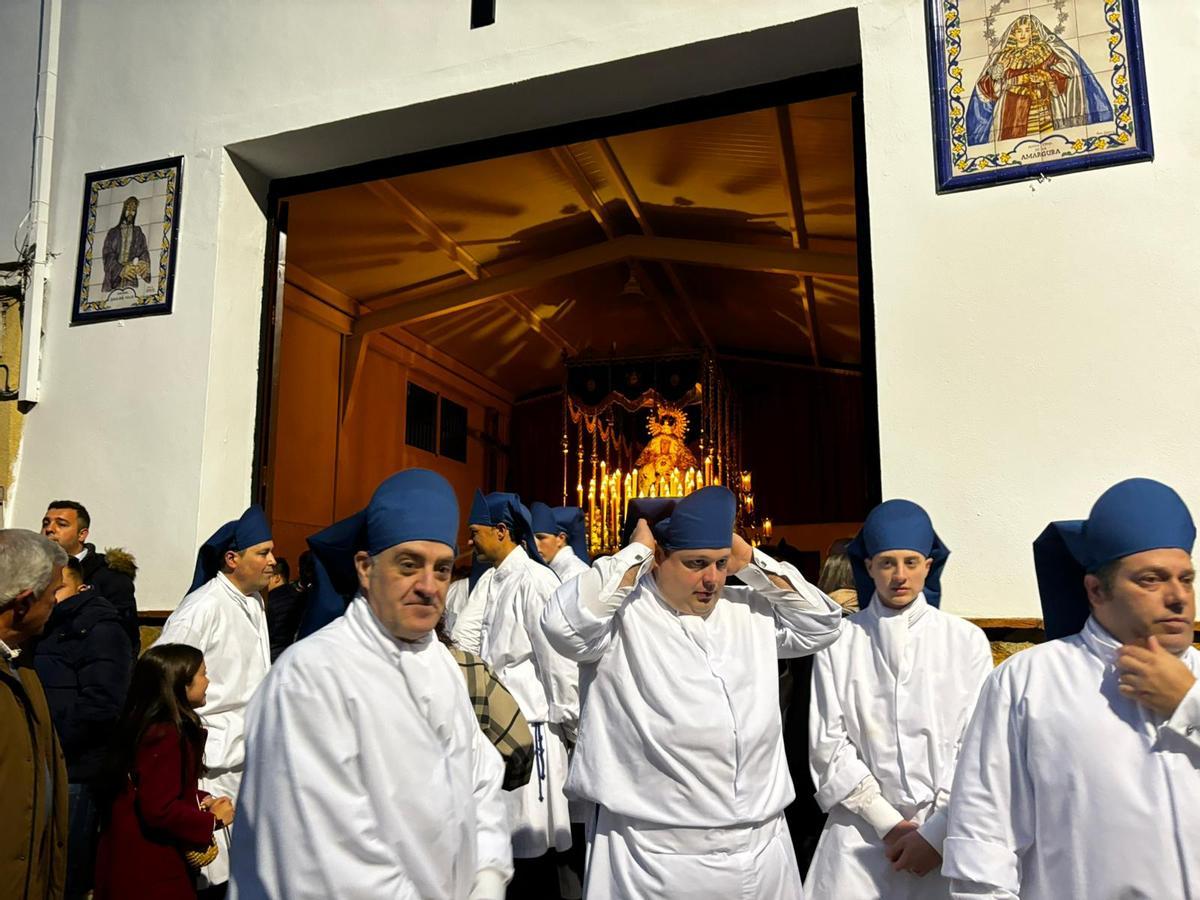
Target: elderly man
x,y
1080,772
33,802
367,774
890,702
680,746
223,616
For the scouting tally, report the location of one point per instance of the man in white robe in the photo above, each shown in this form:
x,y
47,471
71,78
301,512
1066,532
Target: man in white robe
x,y
890,702
514,591
680,743
1080,772
224,618
367,773
561,535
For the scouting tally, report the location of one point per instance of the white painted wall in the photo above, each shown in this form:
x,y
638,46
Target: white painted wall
x,y
994,372
19,25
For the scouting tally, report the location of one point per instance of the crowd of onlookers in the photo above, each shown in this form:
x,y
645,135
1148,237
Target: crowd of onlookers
x,y
80,634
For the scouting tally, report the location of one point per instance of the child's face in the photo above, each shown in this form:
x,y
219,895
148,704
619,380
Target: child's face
x,y
72,584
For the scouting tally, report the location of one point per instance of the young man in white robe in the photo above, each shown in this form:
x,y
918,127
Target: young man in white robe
x,y
513,592
367,774
890,702
223,617
680,744
1080,772
561,536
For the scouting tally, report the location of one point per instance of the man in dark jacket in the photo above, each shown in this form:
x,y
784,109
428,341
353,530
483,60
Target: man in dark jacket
x,y
84,665
111,573
33,802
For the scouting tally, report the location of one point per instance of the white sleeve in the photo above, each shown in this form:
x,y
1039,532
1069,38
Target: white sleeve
x,y
867,801
966,890
558,674
975,672
578,620
615,566
991,821
840,775
805,619
189,626
1185,721
494,840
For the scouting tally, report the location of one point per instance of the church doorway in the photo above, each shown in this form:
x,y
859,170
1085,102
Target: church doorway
x,y
585,314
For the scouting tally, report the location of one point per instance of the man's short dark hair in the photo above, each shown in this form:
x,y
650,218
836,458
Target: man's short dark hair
x,y
75,567
282,567
81,513
1107,574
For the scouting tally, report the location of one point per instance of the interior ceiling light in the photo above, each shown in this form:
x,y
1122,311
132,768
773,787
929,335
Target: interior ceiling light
x,y
633,287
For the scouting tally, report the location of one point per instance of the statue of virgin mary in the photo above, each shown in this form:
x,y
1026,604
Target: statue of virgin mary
x,y
1033,85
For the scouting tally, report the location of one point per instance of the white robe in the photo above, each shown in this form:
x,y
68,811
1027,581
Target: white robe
x,y
230,629
680,741
545,686
367,775
567,565
456,601
1065,788
890,702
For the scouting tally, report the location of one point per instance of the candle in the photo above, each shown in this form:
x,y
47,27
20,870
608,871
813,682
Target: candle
x,y
767,528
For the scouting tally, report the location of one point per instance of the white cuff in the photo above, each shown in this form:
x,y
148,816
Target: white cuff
x,y
881,816
1185,721
490,884
756,574
867,801
934,828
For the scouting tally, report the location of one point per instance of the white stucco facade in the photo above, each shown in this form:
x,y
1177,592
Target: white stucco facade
x,y
1013,385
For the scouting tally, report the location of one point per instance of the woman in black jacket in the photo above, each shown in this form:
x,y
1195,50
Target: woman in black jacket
x,y
84,665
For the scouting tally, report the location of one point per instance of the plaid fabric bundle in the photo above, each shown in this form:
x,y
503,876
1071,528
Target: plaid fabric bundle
x,y
499,717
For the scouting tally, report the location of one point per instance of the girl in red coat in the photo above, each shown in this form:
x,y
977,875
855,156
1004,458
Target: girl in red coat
x,y
157,814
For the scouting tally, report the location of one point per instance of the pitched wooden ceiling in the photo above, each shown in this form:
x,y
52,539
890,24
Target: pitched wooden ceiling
x,y
736,233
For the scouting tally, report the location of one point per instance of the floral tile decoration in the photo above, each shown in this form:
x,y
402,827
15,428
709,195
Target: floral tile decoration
x,y
1030,88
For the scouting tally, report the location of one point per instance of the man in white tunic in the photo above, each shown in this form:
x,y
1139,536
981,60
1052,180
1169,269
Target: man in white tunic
x,y
514,592
223,617
367,774
680,743
890,702
1080,772
561,535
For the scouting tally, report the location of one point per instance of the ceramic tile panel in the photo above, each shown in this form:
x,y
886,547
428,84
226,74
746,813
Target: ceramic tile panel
x,y
1031,87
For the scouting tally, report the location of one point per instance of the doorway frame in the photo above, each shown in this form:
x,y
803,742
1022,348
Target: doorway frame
x,y
796,89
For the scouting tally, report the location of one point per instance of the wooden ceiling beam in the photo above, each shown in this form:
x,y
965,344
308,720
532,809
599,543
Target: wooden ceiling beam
x,y
462,258
786,147
677,250
587,193
626,189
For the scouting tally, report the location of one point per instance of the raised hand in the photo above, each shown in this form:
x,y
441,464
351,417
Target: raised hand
x,y
643,534
1153,677
740,555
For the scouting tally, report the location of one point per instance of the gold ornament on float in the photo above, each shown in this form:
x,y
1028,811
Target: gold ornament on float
x,y
665,462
